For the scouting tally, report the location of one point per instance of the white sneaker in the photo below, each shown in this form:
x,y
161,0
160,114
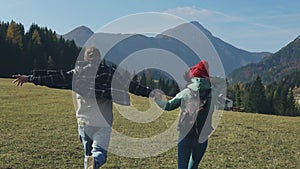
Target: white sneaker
x,y
90,164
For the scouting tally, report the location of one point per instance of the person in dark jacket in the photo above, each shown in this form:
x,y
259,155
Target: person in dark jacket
x,y
92,81
192,144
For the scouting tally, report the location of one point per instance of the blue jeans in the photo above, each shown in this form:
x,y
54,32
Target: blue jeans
x,y
95,141
190,153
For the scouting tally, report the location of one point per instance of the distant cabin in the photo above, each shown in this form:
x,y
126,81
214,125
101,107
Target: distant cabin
x,y
296,92
297,99
228,104
224,103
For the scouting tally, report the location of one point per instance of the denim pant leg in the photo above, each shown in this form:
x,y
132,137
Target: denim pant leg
x,y
184,153
100,145
86,142
198,152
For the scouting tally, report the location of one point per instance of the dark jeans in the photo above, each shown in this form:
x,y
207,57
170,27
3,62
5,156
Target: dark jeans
x,y
190,153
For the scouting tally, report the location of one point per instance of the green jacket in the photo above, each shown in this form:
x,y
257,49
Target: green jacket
x,y
204,87
197,84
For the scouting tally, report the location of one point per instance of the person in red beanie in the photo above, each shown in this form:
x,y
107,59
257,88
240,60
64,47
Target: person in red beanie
x,y
193,140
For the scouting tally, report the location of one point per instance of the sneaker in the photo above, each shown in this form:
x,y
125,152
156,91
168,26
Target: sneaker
x,y
90,164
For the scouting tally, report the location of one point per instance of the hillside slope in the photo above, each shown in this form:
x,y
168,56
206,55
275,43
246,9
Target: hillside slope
x,y
80,35
273,67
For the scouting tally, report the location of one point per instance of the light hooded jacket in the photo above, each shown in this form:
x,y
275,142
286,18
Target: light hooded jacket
x,y
94,95
203,86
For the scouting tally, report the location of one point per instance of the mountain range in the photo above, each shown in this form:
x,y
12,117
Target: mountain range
x,y
230,56
271,68
80,35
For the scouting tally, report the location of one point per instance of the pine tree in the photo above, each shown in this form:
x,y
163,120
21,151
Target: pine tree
x,y
36,37
143,80
270,92
15,33
291,107
278,107
256,100
50,64
238,95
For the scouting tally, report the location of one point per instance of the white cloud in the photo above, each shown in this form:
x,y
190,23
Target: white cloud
x,y
190,12
200,14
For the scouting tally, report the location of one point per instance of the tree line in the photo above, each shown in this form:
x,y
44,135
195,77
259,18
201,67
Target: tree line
x,y
276,98
41,48
157,79
38,48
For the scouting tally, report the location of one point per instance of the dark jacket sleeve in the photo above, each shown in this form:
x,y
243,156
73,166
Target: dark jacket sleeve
x,y
137,89
57,79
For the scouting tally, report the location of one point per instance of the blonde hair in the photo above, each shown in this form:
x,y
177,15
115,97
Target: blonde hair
x,y
92,54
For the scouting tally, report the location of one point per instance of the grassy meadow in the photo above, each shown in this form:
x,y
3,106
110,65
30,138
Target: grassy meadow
x,y
39,130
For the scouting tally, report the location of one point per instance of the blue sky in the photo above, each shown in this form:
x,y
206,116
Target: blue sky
x,y
256,25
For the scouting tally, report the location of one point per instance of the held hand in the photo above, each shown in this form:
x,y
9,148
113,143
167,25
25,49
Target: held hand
x,y
20,79
155,94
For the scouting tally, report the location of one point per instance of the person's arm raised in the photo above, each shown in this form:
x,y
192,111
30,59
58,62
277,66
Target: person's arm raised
x,y
20,79
60,79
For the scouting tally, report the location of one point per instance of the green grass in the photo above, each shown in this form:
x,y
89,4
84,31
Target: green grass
x,y
39,130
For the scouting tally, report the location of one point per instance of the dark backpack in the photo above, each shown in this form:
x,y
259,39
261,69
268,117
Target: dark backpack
x,y
188,124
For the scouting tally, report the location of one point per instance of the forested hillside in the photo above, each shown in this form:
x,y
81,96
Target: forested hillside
x,y
277,98
271,68
270,86
38,48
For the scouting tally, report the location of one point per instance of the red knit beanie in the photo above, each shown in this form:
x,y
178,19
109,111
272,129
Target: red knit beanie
x,y
200,70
